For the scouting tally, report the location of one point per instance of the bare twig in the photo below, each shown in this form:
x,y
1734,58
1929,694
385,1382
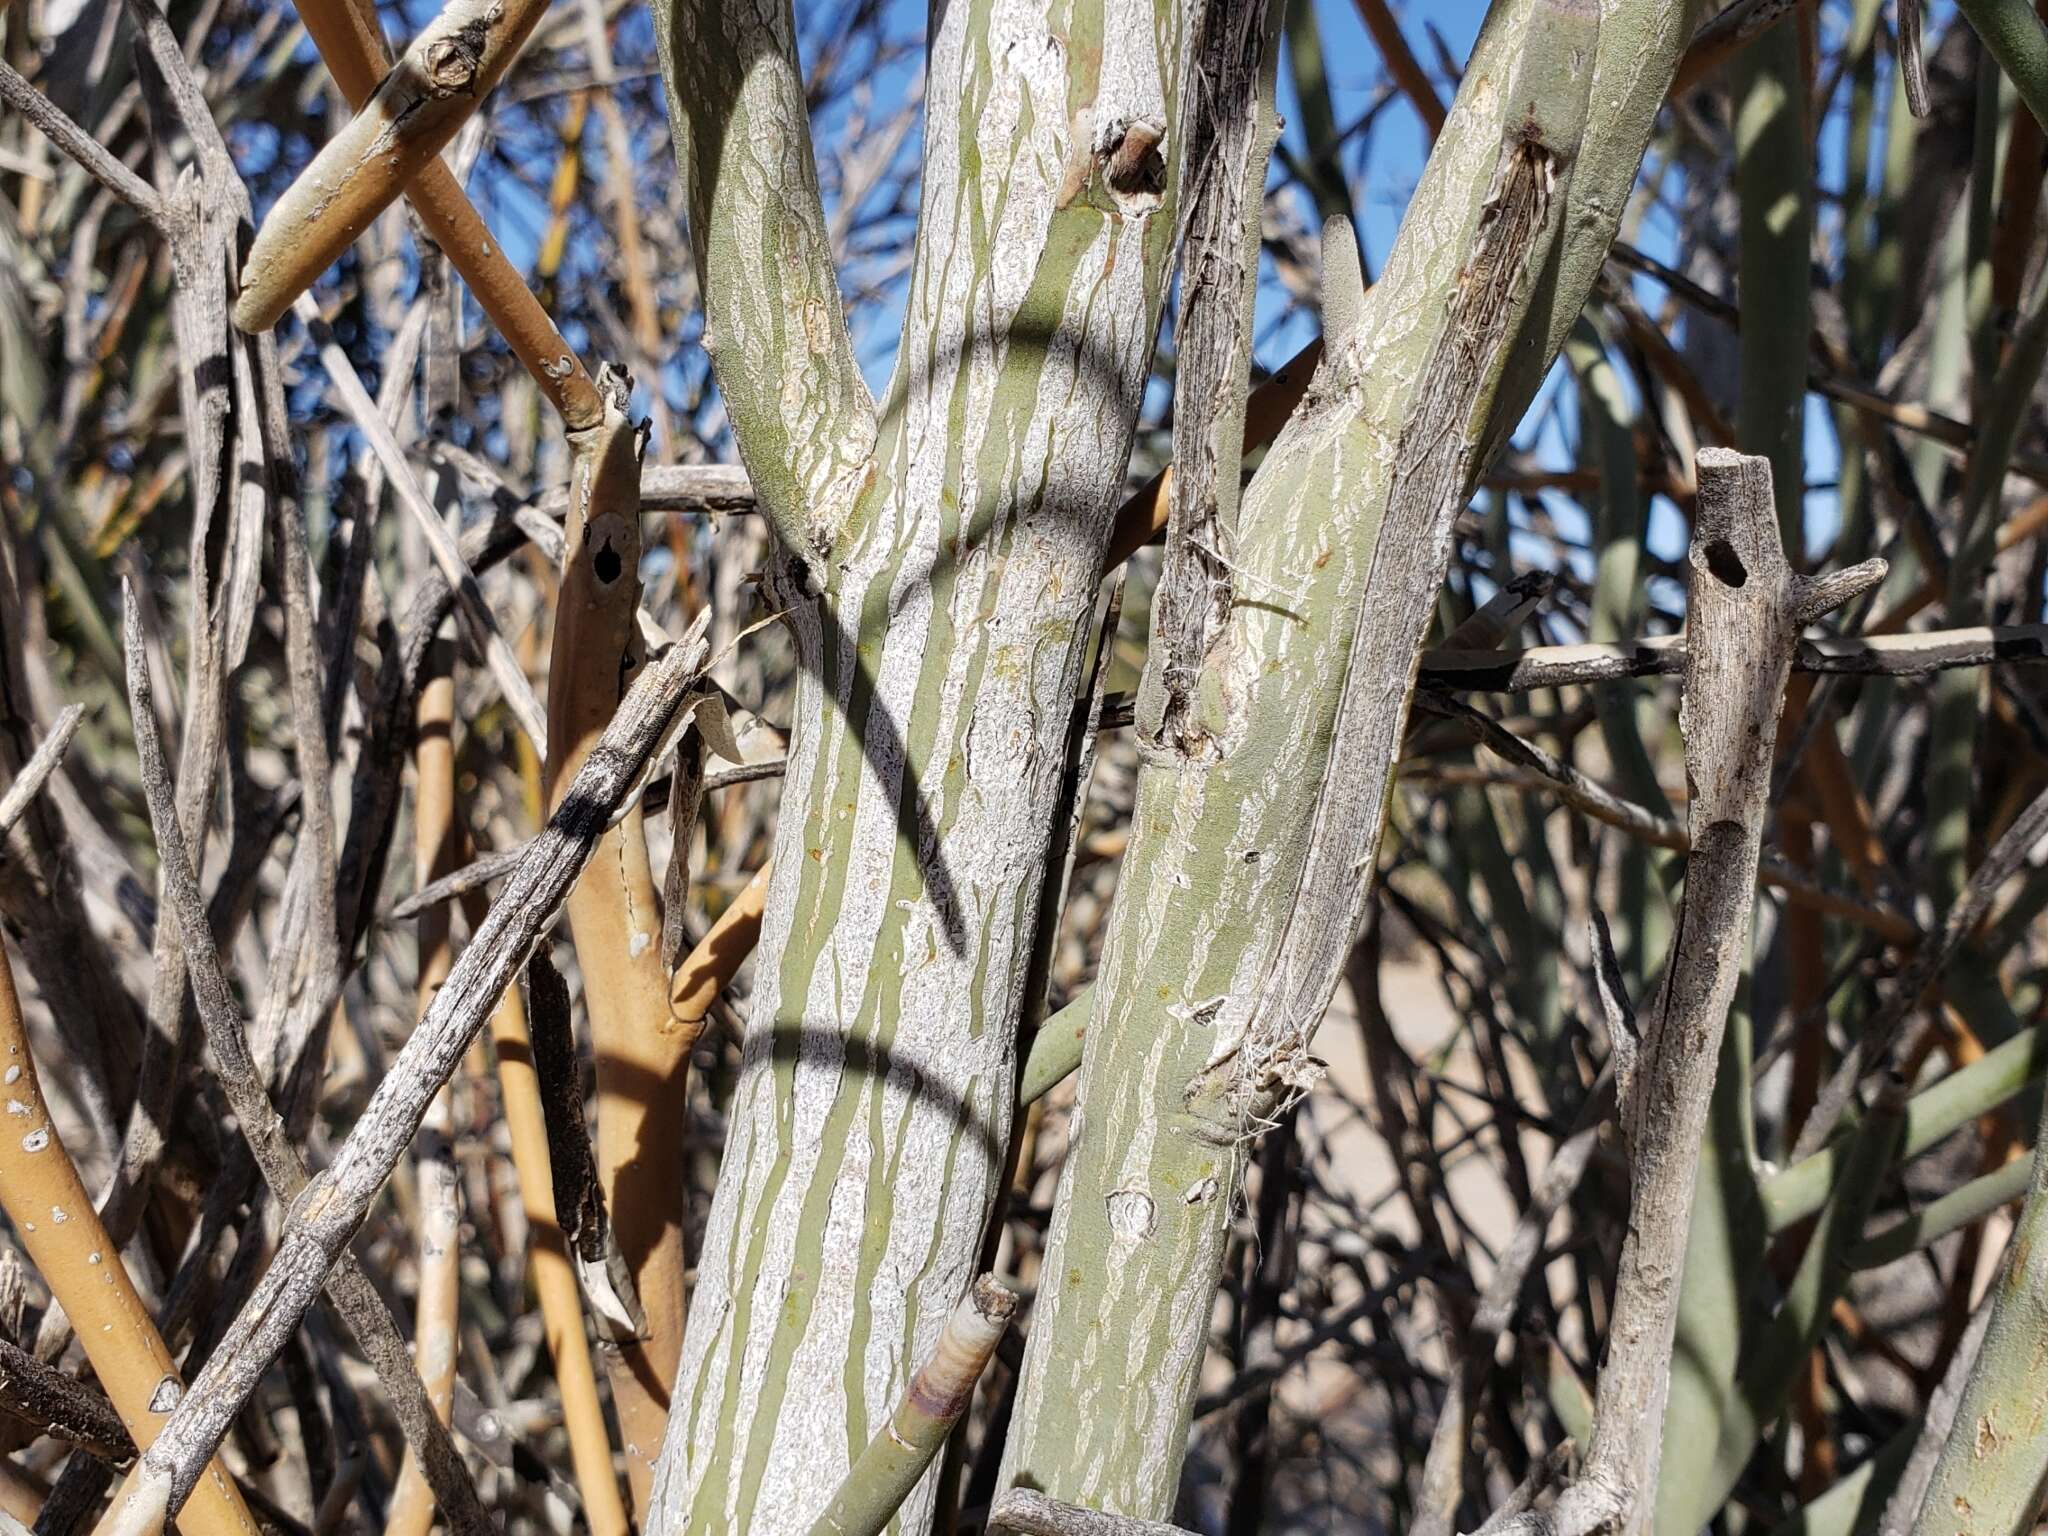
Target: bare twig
x,y
280,1162
1231,126
54,1220
554,1281
1402,65
334,1204
1603,805
1733,28
1903,1507
383,442
615,920
1563,666
1929,960
353,46
53,1403
1030,1513
37,770
438,1287
81,146
710,967
1443,1475
1745,612
578,1193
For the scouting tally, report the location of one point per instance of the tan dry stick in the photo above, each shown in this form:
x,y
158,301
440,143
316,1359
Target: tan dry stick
x,y
349,39
55,1220
554,1279
440,1201
615,921
706,970
404,124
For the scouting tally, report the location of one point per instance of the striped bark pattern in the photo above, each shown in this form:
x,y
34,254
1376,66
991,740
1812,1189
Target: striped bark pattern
x,y
1246,872
941,634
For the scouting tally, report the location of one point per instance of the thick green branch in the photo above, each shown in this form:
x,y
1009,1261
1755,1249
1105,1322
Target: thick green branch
x,y
1989,1477
2014,36
1247,871
773,321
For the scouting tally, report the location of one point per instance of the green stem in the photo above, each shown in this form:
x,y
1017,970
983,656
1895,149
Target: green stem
x,y
1773,178
2013,35
1955,1210
1989,1477
946,555
1780,1349
1248,865
1795,1193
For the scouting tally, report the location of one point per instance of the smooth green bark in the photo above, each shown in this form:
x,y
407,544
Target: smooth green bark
x,y
2014,36
1990,1477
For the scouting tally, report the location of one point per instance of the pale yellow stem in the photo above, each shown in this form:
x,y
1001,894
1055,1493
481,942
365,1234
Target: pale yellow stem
x,y
554,1279
439,1204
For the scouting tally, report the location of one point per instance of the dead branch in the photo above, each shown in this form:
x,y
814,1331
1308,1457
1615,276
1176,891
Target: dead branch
x,y
1745,611
330,1208
280,1162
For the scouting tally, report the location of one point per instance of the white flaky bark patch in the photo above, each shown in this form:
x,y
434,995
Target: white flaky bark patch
x,y
941,669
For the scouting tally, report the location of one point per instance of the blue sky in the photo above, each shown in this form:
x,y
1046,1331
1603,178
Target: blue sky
x,y
1382,164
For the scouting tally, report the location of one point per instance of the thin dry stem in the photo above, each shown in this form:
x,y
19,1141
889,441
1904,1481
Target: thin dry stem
x,y
351,42
504,666
332,1207
642,1057
554,1278
35,773
279,1160
54,1219
435,1318
710,967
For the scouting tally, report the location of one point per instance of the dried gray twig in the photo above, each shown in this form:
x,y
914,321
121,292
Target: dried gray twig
x,y
37,770
1030,1513
330,1209
283,1168
602,1270
1745,612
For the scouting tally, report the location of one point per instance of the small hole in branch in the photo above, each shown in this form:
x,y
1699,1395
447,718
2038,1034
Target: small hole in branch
x,y
1726,564
607,565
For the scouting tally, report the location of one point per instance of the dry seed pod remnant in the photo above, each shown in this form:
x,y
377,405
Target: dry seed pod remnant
x,y
1075,941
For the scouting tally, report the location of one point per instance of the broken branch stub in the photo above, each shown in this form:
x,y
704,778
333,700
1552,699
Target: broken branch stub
x,y
407,121
933,1400
1744,612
